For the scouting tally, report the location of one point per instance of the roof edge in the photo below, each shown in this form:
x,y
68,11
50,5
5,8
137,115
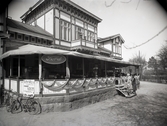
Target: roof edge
x,y
67,1
111,37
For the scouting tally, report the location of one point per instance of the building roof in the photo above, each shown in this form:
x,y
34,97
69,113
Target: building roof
x,y
68,2
33,49
110,37
83,10
23,28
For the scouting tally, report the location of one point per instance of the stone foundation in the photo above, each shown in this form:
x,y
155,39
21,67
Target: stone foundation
x,y
75,101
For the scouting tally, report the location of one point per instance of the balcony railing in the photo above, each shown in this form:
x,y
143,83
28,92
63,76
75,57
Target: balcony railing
x,y
83,42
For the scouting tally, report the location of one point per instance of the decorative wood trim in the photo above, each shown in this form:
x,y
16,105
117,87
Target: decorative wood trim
x,y
30,33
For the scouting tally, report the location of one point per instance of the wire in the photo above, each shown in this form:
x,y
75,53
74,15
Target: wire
x,y
148,40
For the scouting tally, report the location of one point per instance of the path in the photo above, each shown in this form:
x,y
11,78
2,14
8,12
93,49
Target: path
x,y
148,108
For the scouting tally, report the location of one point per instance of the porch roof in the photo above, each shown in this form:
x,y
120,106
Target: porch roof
x,y
33,49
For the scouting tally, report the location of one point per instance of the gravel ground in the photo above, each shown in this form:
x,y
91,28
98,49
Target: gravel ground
x,y
148,108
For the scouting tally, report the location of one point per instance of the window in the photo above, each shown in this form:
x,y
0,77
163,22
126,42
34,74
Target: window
x,y
32,39
91,36
57,28
65,16
91,28
57,12
73,20
79,23
40,22
19,36
65,31
49,21
79,33
26,38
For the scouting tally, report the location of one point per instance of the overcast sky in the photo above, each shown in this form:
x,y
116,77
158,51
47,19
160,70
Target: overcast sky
x,y
137,21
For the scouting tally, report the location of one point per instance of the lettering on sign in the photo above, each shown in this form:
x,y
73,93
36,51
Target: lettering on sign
x,y
53,59
28,86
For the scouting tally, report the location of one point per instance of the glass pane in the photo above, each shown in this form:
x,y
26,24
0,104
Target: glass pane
x,y
73,32
65,16
40,22
49,21
79,23
91,28
73,21
57,28
57,12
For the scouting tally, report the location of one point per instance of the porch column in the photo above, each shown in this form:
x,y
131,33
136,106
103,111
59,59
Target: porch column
x,y
105,69
11,64
83,68
67,74
18,80
40,74
18,66
10,73
67,69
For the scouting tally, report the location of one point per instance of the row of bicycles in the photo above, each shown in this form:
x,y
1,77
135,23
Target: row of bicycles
x,y
16,103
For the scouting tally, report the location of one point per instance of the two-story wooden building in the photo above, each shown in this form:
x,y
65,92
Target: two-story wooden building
x,y
56,51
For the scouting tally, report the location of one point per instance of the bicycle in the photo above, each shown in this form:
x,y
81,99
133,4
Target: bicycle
x,y
26,104
8,99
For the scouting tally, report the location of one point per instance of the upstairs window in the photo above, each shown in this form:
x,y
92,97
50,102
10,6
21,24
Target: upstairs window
x,y
79,33
40,22
91,36
91,28
65,31
79,23
65,16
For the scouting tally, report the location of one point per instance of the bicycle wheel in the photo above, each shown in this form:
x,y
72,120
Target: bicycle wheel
x,y
8,104
33,107
8,107
16,107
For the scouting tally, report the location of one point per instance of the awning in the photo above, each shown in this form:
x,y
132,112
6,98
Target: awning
x,y
33,49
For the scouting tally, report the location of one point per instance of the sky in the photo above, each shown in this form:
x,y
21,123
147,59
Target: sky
x,y
137,21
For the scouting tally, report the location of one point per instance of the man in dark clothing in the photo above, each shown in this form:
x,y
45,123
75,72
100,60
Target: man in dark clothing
x,y
133,84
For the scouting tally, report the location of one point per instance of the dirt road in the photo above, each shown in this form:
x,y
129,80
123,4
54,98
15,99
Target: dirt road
x,y
148,108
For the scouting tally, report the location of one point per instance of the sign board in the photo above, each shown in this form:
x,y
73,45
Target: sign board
x,y
28,87
53,59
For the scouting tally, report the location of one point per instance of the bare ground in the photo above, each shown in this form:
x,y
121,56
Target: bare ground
x,y
148,108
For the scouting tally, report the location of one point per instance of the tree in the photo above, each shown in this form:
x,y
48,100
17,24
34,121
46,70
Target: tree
x,y
152,63
139,59
163,56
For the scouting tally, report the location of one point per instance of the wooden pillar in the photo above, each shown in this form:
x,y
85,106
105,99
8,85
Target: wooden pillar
x,y
67,68
67,74
18,80
83,68
10,73
40,75
11,64
105,68
18,66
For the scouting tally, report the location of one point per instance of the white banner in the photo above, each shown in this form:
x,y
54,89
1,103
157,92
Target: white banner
x,y
28,87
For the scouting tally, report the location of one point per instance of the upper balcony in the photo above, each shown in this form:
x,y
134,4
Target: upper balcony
x,y
83,43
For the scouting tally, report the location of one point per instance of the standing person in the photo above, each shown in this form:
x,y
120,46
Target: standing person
x,y
134,84
129,84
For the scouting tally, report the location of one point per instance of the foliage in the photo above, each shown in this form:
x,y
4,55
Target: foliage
x,y
152,63
139,59
163,56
